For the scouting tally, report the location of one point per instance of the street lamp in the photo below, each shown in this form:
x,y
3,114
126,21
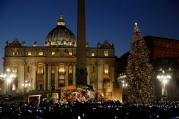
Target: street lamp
x,y
124,84
164,78
2,76
2,80
122,78
124,87
26,85
9,77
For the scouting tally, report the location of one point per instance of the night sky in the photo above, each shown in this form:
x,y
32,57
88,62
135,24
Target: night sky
x,y
112,20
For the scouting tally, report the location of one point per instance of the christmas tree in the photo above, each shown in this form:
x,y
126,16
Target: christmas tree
x,y
139,71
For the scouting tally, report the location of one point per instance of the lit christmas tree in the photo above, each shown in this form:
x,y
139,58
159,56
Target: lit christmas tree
x,y
139,71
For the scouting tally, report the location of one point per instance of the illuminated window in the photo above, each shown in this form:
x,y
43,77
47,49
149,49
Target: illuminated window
x,y
41,53
62,68
34,45
64,43
61,77
106,69
70,53
29,53
15,53
40,68
53,53
70,70
106,53
70,43
92,54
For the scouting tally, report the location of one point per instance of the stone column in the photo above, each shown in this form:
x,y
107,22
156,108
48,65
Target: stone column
x,y
56,77
25,75
49,76
20,77
66,75
96,77
33,76
100,77
74,74
112,75
88,71
44,76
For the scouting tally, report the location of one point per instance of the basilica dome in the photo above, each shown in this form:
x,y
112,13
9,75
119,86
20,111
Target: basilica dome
x,y
60,35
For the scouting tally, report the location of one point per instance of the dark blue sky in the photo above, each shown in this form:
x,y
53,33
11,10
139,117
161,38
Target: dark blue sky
x,y
112,20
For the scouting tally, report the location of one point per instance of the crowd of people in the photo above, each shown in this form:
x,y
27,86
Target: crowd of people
x,y
89,110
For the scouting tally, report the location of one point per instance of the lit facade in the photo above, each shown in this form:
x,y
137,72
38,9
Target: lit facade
x,y
53,66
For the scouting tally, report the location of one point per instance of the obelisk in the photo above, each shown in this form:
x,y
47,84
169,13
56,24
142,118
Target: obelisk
x,y
81,71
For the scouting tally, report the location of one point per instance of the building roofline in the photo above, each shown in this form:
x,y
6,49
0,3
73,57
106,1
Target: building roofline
x,y
160,38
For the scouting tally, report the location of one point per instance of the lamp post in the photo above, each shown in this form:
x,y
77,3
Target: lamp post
x,y
122,78
9,77
124,86
2,80
164,78
26,85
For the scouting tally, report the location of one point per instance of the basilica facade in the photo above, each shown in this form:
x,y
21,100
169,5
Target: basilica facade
x,y
53,66
65,60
